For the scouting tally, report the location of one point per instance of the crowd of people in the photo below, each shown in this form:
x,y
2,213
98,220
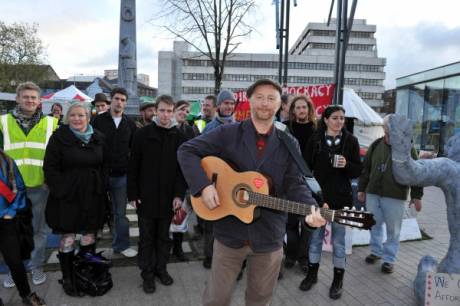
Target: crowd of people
x,y
75,171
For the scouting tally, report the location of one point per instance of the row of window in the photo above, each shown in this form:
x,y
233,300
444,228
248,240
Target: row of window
x,y
291,79
210,91
205,90
291,65
370,95
354,47
354,34
331,33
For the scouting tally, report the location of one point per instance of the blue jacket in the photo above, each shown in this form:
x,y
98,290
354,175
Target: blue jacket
x,y
217,121
20,200
236,144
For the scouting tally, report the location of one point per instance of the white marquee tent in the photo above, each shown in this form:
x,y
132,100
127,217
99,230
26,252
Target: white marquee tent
x,y
65,97
368,124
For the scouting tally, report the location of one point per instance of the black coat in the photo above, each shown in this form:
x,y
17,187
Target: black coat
x,y
76,177
117,141
154,176
335,182
188,131
302,132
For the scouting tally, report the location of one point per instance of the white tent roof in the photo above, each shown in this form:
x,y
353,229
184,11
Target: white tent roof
x,y
68,94
355,107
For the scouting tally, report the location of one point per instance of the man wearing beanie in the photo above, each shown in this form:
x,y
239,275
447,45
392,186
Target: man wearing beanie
x,y
225,108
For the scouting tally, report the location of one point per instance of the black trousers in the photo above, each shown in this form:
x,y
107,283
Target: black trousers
x,y
208,238
11,251
298,239
154,245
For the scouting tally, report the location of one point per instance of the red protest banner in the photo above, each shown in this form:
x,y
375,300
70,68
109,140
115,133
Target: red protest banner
x,y
320,94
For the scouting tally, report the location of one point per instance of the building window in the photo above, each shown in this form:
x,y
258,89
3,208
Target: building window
x,y
370,95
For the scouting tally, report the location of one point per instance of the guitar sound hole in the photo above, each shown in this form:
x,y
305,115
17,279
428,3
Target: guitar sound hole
x,y
241,195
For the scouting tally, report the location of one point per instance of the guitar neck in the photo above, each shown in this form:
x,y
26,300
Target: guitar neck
x,y
297,208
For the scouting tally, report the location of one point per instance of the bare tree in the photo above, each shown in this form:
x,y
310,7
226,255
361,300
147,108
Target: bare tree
x,y
213,27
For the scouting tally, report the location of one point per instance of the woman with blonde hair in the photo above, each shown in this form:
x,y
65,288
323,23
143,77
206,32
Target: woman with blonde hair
x,y
76,177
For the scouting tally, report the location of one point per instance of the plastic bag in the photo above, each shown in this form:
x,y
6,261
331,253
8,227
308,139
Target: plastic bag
x,y
179,223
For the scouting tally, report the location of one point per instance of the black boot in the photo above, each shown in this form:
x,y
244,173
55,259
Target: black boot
x,y
67,281
311,278
177,247
335,292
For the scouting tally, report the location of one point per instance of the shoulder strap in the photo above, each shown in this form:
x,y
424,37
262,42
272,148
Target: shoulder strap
x,y
310,180
295,154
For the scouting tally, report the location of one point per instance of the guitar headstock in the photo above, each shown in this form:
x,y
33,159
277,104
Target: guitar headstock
x,y
355,218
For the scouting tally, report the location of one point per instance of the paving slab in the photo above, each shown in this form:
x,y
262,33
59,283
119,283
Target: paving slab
x,y
363,285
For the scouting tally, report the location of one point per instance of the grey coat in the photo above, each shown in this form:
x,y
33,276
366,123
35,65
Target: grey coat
x,y
236,144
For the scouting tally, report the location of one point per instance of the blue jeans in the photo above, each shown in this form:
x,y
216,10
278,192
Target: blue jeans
x,y
389,211
120,221
38,196
338,245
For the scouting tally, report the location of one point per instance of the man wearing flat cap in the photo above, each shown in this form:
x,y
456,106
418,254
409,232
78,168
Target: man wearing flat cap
x,y
147,111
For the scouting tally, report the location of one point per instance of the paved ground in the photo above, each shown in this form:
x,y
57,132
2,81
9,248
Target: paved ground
x,y
364,284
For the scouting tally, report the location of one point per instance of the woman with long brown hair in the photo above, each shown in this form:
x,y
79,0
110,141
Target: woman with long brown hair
x,y
302,125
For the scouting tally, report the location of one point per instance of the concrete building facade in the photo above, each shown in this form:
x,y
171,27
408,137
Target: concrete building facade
x,y
187,74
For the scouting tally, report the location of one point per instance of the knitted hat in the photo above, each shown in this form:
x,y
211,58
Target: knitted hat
x,y
225,95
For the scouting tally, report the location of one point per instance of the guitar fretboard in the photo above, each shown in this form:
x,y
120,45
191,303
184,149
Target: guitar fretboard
x,y
297,208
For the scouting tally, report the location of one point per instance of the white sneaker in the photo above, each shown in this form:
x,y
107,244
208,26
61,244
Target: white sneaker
x,y
129,253
8,282
38,277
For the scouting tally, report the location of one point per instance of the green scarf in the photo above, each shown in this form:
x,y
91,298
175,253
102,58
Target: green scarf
x,y
84,136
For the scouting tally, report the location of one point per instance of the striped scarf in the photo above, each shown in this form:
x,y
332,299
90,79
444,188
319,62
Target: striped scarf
x,y
26,123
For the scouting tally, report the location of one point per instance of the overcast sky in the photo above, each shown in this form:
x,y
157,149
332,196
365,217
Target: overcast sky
x,y
82,36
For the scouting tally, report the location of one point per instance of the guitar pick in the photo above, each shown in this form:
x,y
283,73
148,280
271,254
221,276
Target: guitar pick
x,y
258,182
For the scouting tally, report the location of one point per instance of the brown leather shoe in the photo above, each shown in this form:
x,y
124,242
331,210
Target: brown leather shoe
x,y
387,268
372,259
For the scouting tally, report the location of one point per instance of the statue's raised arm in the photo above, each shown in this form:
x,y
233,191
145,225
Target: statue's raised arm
x,y
423,172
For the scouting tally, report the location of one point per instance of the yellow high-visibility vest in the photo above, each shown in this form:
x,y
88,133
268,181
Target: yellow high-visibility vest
x,y
200,124
27,151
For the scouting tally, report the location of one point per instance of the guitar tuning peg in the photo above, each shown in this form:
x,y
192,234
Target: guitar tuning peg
x,y
362,208
353,208
346,208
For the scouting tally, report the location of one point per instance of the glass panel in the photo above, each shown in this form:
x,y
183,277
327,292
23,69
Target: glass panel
x,y
415,111
451,110
431,126
402,102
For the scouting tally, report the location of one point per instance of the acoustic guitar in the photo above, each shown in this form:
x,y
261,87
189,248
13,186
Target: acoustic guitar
x,y
240,193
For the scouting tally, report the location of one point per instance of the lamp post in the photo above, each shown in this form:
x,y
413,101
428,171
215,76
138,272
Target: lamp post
x,y
282,34
344,25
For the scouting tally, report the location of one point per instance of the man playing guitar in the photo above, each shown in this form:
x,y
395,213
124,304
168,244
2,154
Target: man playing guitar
x,y
251,145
